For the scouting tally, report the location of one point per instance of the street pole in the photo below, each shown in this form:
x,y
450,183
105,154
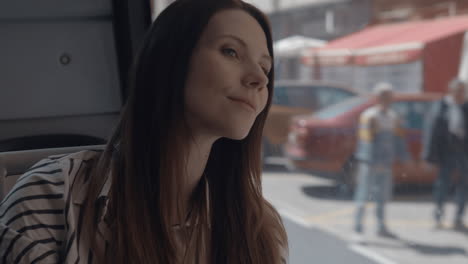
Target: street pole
x,y
275,5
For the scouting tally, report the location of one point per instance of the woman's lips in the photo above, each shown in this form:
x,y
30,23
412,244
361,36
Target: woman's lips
x,y
243,101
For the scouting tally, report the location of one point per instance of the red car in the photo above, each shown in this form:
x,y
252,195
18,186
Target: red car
x,y
324,143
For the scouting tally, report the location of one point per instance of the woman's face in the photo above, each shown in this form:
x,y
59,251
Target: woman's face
x,y
226,86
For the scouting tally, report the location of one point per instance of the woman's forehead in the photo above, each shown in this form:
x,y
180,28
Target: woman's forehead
x,y
237,23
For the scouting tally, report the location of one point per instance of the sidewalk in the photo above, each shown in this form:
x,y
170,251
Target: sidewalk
x,y
303,199
417,240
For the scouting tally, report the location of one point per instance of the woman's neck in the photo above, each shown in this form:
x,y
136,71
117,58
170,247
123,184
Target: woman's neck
x,y
199,150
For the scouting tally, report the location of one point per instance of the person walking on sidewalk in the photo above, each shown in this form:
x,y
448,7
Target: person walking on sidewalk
x,y
446,146
380,142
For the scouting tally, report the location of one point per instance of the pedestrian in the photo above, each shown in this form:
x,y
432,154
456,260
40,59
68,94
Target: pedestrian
x,y
446,147
380,143
180,179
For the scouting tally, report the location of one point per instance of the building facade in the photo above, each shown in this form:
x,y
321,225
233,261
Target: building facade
x,y
326,21
386,11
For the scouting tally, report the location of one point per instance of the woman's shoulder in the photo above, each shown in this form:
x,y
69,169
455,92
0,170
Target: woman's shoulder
x,y
76,170
54,175
33,214
61,167
74,164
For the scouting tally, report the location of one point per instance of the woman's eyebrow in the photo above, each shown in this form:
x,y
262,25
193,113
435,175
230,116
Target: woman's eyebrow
x,y
244,44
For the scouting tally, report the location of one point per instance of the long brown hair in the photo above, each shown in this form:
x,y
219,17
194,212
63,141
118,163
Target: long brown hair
x,y
145,156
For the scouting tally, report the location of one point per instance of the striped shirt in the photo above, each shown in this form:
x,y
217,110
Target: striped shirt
x,y
41,217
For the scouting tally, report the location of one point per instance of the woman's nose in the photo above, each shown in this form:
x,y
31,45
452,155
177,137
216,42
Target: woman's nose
x,y
255,78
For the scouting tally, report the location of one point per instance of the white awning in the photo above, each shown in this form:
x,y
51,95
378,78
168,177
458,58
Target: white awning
x,y
296,46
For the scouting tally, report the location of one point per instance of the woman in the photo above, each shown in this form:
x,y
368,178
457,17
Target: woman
x,y
180,179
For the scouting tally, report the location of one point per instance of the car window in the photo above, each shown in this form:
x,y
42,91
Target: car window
x,y
412,113
402,108
327,96
417,114
340,108
279,95
296,96
313,97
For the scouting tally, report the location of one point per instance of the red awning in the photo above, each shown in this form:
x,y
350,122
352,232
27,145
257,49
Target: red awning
x,y
389,43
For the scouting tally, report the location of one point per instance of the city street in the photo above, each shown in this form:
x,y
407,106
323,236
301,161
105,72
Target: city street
x,y
319,225
312,245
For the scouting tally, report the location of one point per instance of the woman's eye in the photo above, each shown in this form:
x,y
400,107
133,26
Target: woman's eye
x,y
229,52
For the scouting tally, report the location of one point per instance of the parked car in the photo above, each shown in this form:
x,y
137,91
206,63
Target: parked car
x,y
324,143
292,98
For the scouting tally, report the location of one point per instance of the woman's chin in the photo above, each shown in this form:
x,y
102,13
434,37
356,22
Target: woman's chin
x,y
238,135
